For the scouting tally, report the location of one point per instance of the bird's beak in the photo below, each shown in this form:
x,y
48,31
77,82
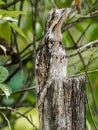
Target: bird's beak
x,y
64,14
65,11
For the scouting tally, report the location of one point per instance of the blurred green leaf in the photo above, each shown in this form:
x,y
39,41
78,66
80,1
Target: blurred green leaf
x,y
80,27
6,89
93,1
6,13
88,125
29,65
17,29
3,74
8,101
2,2
4,27
39,30
67,41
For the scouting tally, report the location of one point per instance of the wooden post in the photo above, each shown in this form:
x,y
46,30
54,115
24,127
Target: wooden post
x,y
64,105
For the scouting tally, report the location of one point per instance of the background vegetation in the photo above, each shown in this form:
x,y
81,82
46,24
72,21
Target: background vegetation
x,y
22,24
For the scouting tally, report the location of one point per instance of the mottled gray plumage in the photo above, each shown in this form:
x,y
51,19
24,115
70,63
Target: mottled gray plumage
x,y
47,57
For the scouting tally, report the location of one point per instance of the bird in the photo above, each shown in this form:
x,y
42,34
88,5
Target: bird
x,y
51,61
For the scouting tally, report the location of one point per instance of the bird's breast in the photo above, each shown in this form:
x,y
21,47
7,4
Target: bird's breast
x,y
58,60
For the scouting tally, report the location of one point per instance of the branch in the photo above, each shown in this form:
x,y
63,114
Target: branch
x,y
54,4
8,122
83,48
12,3
34,18
82,18
21,91
83,73
15,111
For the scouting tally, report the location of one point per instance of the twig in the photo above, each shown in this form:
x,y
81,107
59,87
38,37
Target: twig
x,y
17,117
24,90
53,3
20,16
90,10
34,18
83,48
11,109
12,3
6,120
82,18
13,73
83,73
21,91
83,32
89,61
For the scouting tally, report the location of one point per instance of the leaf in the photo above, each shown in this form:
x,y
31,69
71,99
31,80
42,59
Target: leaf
x,y
88,125
3,48
2,2
6,89
6,13
5,28
93,1
17,29
3,74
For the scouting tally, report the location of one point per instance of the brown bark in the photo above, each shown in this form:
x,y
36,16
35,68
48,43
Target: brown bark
x,y
63,107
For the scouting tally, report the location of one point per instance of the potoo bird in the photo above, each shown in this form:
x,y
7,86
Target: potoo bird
x,y
51,59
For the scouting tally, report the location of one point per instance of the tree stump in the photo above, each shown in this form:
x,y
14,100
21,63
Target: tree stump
x,y
64,105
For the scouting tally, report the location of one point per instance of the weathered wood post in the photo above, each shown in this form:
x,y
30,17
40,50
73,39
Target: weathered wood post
x,y
64,105
61,100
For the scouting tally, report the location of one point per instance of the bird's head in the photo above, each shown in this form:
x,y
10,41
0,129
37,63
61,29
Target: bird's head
x,y
55,19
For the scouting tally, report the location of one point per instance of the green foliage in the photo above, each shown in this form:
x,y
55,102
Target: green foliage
x,y
25,124
88,125
5,28
3,76
6,13
2,2
17,29
93,1
6,89
7,22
